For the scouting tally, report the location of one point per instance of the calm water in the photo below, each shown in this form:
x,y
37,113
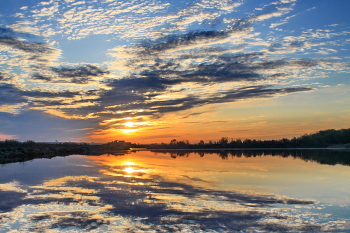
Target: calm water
x,y
144,191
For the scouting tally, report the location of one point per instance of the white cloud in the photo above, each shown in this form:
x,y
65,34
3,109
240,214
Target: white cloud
x,y
25,27
268,16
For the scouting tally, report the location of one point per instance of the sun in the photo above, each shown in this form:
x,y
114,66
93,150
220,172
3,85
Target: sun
x,y
128,131
129,124
129,170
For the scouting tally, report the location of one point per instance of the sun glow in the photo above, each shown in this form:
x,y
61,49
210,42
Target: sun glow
x,y
127,131
129,124
129,170
133,124
128,163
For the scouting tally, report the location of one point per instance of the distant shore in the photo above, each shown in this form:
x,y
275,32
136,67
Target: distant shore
x,y
216,149
12,154
321,155
325,140
329,156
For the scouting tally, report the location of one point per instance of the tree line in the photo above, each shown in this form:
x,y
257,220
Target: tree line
x,y
12,151
320,139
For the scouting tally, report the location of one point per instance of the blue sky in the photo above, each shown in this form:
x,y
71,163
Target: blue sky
x,y
151,71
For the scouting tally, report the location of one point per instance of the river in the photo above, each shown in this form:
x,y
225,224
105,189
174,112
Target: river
x,y
178,191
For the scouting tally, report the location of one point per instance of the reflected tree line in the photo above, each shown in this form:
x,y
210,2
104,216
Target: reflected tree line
x,y
321,139
15,151
12,151
330,157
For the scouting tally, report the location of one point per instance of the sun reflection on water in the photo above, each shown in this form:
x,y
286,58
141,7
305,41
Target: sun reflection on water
x,y
113,166
129,163
133,188
132,171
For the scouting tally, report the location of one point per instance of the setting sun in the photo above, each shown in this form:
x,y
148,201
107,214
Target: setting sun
x,y
129,124
127,131
129,163
129,170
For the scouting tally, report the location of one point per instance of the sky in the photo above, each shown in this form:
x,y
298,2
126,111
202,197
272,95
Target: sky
x,y
152,71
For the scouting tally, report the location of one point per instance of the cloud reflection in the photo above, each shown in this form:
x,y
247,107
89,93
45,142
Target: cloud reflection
x,y
131,195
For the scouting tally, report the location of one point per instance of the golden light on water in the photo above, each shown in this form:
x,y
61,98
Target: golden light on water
x,y
129,163
130,167
130,170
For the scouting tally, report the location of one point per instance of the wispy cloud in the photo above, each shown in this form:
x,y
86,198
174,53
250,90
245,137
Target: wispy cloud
x,y
14,40
136,19
82,74
170,59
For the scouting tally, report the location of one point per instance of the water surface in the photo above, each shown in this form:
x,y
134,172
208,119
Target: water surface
x,y
178,191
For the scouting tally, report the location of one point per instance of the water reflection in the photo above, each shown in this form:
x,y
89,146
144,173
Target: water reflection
x,y
322,156
148,192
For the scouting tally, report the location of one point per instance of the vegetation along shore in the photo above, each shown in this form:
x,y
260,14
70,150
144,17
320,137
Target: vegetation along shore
x,y
15,151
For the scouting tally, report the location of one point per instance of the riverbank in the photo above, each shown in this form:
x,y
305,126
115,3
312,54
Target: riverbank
x,y
248,149
23,154
13,154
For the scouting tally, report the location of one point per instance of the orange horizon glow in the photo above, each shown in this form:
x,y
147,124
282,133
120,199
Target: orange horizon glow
x,y
148,136
240,120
